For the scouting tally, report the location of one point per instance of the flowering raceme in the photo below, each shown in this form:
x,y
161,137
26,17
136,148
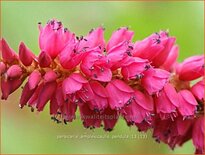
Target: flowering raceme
x,y
141,82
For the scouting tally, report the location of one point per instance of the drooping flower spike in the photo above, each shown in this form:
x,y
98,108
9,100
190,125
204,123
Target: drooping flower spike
x,y
141,82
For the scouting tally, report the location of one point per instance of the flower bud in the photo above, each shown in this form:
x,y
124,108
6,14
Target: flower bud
x,y
8,53
191,68
44,59
14,71
25,54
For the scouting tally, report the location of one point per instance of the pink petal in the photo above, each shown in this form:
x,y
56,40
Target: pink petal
x,y
144,100
98,89
119,84
78,77
187,103
96,38
172,95
73,83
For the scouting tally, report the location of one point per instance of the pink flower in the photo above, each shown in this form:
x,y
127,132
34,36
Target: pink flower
x,y
71,56
171,59
45,94
154,80
187,103
120,94
155,48
53,37
191,68
110,118
26,95
100,99
172,132
96,67
60,106
14,72
77,89
92,119
25,55
139,109
167,102
30,88
133,67
8,54
198,90
198,135
119,36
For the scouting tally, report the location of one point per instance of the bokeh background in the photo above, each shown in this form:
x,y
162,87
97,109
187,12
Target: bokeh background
x,y
26,132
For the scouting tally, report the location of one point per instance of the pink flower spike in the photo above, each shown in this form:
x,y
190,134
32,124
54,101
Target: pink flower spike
x,y
53,38
25,54
50,76
45,94
171,59
119,36
8,53
198,90
119,94
14,71
191,68
44,59
154,80
2,68
198,135
187,103
34,79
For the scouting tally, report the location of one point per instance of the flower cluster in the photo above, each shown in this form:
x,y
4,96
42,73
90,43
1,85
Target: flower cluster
x,y
141,82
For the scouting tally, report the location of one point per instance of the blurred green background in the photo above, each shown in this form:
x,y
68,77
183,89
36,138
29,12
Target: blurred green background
x,y
26,132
